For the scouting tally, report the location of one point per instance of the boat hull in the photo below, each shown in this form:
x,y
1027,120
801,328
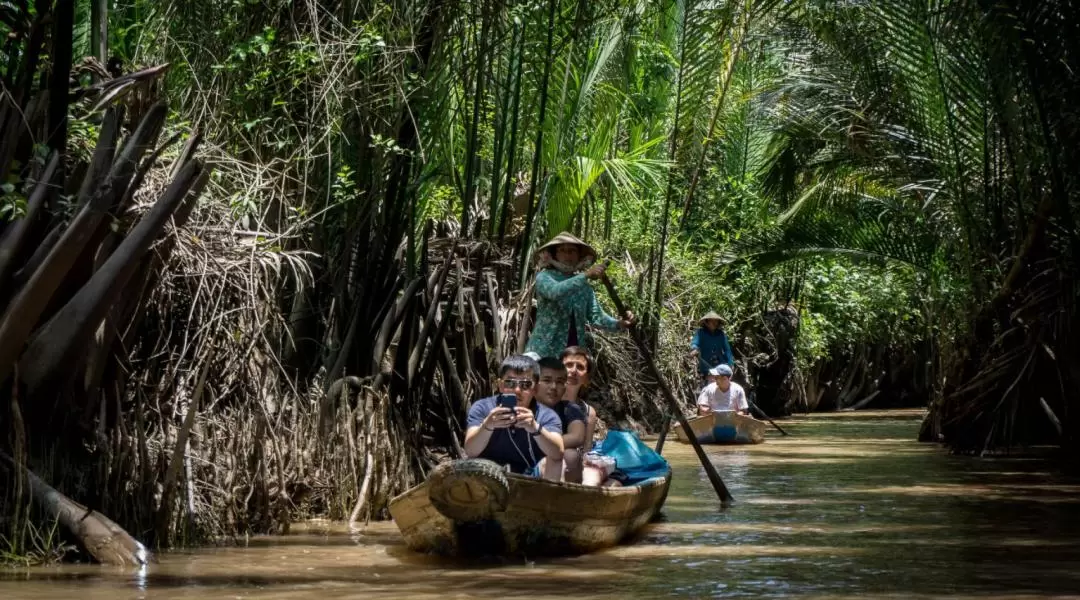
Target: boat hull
x,y
541,518
723,428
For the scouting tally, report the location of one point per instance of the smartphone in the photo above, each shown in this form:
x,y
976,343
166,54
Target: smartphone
x,y
506,401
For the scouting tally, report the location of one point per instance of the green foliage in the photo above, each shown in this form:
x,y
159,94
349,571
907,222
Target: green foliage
x,y
863,305
838,151
33,545
12,205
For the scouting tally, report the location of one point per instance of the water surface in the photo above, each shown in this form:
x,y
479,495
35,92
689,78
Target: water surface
x,y
848,506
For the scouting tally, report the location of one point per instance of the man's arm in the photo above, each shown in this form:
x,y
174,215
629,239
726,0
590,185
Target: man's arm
x,y
550,438
704,404
729,355
480,428
742,405
551,443
575,435
476,439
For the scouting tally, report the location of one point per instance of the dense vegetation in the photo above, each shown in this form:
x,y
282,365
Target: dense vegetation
x,y
879,197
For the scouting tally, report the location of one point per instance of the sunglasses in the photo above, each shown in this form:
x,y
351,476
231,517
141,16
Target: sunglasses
x,y
523,384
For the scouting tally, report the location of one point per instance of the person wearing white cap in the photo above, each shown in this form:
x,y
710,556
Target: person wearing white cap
x,y
722,394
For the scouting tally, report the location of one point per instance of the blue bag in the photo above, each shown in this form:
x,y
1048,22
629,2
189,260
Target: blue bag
x,y
634,461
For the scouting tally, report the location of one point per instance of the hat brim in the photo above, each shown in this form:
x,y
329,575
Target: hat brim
x,y
566,238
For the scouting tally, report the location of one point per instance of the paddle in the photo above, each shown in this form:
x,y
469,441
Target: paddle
x,y
664,429
673,405
762,413
663,433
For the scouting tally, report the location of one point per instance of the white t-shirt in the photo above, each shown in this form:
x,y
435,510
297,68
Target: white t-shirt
x,y
733,399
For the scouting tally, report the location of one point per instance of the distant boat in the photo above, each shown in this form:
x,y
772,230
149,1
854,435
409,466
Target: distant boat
x,y
472,506
723,427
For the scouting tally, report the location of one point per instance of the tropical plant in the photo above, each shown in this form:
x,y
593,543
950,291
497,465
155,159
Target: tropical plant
x,y
926,133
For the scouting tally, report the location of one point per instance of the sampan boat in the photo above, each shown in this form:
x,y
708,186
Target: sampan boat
x,y
471,506
723,427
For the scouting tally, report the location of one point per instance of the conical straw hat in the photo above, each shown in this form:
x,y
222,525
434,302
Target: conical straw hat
x,y
566,238
711,315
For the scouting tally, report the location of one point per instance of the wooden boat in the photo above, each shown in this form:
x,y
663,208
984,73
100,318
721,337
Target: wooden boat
x,y
723,427
463,509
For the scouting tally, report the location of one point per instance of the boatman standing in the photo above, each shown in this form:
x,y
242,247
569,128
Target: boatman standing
x,y
710,345
565,302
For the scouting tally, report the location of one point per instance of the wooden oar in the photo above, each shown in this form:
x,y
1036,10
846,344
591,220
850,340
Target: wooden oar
x,y
673,405
762,413
663,433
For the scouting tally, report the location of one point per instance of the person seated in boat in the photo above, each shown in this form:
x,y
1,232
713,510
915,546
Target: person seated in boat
x,y
565,302
517,438
579,365
710,345
550,393
722,394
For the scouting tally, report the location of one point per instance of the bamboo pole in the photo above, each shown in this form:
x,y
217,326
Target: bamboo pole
x,y
663,433
673,406
538,149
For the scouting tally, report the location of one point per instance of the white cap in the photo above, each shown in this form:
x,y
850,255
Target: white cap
x,y
720,370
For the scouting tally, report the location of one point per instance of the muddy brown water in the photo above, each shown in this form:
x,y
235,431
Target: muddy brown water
x,y
848,506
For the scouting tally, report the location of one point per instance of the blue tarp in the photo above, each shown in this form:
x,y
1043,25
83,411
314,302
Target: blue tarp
x,y
633,458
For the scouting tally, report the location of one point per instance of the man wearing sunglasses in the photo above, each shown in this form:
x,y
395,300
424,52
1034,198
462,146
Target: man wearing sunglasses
x,y
517,438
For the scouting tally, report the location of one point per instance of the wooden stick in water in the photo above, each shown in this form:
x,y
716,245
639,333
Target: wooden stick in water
x,y
663,433
673,405
762,413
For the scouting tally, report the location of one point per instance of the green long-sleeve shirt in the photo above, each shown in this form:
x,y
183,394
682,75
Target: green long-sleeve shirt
x,y
558,296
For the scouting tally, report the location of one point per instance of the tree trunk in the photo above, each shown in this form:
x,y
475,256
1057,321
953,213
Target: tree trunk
x,y
61,54
102,538
99,30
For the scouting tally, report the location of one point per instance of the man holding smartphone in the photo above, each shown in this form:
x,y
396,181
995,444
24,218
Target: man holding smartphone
x,y
512,428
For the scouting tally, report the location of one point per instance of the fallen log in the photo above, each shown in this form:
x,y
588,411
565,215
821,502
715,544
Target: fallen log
x,y
102,538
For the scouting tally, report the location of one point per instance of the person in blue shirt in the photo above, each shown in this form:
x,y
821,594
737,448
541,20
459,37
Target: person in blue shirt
x,y
517,438
710,345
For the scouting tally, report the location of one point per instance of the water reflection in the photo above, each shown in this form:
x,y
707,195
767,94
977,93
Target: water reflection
x,y
848,506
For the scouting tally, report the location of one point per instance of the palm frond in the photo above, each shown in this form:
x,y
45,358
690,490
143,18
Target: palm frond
x,y
860,232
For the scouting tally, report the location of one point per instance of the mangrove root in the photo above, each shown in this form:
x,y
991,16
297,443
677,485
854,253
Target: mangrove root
x,y
102,538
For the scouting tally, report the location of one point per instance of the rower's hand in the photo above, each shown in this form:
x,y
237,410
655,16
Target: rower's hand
x,y
500,417
694,353
596,271
628,321
526,420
